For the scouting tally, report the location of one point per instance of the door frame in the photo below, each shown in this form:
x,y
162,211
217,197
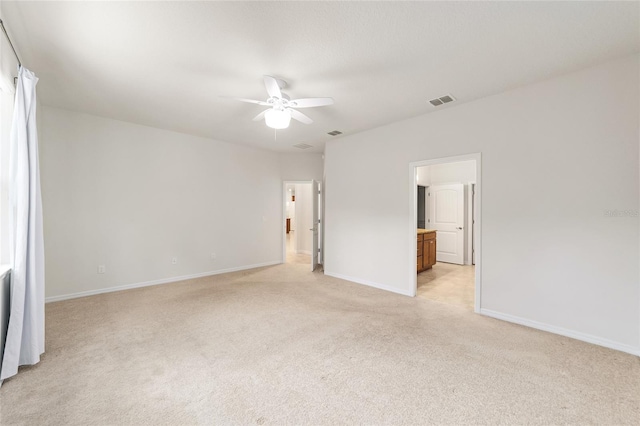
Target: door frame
x,y
470,221
411,236
315,224
283,233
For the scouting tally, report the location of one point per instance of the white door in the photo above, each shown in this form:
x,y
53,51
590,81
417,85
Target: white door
x,y
447,218
314,224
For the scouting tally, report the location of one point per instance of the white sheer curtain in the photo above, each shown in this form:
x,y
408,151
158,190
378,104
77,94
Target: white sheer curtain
x,y
25,334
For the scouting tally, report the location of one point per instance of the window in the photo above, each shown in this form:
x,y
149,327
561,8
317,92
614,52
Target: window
x,y
8,70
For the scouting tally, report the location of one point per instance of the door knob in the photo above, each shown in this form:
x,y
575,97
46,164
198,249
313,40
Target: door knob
x,y
460,228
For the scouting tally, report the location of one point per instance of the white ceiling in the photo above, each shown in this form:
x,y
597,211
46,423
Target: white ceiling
x,y
166,64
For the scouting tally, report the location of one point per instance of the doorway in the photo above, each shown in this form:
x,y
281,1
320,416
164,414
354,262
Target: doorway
x,y
446,220
301,215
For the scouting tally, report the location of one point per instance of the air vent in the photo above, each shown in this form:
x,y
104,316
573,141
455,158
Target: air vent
x,y
335,133
442,100
302,146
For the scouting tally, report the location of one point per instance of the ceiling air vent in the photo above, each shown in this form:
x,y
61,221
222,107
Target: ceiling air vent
x,y
302,146
335,133
442,100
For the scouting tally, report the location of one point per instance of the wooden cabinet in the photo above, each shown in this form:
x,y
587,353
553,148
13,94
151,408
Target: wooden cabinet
x,y
426,255
420,252
429,249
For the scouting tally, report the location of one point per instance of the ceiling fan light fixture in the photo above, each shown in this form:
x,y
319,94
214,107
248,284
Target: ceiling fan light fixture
x,y
281,110
277,119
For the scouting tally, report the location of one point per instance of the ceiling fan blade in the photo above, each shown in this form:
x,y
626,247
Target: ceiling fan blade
x,y
251,101
260,116
310,102
272,87
297,115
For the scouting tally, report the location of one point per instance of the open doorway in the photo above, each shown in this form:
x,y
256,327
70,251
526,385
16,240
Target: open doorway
x,y
446,228
301,243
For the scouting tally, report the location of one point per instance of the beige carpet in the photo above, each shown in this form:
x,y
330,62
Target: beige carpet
x,y
281,345
448,283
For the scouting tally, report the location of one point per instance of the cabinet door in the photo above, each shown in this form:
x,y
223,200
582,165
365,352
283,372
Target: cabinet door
x,y
429,252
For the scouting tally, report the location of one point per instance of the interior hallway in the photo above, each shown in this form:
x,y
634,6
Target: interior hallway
x,y
448,283
292,256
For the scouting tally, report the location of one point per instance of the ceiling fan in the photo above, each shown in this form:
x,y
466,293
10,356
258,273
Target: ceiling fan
x,y
281,107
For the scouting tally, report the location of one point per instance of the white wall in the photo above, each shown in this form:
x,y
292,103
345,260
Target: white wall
x,y
301,166
132,197
555,156
460,172
423,176
304,218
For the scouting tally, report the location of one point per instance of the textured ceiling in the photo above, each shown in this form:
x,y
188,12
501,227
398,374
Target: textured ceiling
x,y
166,64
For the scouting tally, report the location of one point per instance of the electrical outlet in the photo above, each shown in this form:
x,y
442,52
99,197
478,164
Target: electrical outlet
x,y
174,260
101,269
213,256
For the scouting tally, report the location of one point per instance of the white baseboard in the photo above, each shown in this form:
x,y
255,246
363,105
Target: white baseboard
x,y
156,282
369,283
563,332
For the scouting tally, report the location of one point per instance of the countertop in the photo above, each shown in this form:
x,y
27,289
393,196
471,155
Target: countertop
x,y
425,231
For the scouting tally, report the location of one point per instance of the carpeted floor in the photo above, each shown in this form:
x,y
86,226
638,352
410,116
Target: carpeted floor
x,y
281,345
